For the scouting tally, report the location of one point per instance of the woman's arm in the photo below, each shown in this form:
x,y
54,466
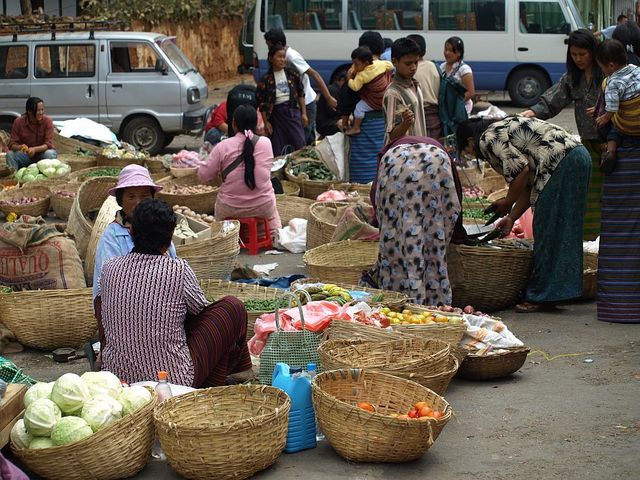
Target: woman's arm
x,y
553,101
467,81
212,168
194,297
303,112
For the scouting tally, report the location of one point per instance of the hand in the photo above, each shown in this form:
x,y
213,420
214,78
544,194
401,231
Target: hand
x,y
268,129
602,120
31,151
590,111
24,148
408,117
501,207
528,114
332,102
305,120
505,224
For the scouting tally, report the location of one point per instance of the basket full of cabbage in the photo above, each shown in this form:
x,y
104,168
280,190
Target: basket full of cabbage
x,y
88,426
44,171
112,156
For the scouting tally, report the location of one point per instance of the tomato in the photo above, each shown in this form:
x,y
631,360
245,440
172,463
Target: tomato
x,y
437,414
366,406
413,414
384,322
420,405
426,412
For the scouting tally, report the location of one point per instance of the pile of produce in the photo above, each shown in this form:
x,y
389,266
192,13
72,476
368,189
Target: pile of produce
x,y
476,213
127,152
21,201
186,159
420,411
312,171
328,291
407,317
73,408
65,194
473,192
187,212
104,172
187,189
42,170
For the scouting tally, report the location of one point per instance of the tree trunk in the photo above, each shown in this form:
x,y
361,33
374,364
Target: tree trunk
x,y
25,7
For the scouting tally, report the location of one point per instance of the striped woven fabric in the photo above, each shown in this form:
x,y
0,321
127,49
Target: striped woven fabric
x,y
363,160
591,228
619,256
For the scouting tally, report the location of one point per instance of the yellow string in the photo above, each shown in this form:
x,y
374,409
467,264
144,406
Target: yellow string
x,y
549,358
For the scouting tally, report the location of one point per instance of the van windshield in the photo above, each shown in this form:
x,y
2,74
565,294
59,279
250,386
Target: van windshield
x,y
576,15
176,56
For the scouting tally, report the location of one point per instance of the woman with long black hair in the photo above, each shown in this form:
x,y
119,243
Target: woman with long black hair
x,y
244,161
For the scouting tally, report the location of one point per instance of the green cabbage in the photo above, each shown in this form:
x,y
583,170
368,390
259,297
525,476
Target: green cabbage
x,y
70,392
132,398
39,390
19,174
48,163
41,442
102,383
101,411
41,416
28,177
70,430
19,435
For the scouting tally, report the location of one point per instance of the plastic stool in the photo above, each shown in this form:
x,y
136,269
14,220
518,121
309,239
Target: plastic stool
x,y
253,243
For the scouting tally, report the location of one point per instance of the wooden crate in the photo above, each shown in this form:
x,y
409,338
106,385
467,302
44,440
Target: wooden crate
x,y
11,409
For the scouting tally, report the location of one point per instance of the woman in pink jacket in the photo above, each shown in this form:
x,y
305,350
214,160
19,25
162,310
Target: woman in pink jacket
x,y
244,161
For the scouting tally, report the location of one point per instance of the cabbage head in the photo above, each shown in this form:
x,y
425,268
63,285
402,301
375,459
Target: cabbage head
x,y
70,392
70,430
41,416
102,383
28,177
132,398
101,411
41,442
19,435
39,390
19,174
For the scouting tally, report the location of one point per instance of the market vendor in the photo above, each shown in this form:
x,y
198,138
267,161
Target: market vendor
x,y
153,315
244,161
31,136
547,169
134,185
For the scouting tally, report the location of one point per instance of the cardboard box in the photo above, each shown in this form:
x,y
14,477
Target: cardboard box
x,y
11,409
201,229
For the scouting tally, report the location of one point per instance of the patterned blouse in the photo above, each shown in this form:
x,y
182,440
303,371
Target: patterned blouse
x,y
266,90
511,144
145,299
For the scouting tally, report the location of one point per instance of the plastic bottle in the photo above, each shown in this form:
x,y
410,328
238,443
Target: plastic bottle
x,y
163,389
311,373
302,421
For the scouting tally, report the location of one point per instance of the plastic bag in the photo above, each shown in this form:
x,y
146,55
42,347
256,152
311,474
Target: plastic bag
x,y
331,151
293,237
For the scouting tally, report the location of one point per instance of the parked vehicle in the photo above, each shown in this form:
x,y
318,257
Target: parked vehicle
x,y
139,84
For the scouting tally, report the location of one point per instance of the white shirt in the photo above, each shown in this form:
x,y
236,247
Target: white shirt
x,y
282,87
459,69
300,64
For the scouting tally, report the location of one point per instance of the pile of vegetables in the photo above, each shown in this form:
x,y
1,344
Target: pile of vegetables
x,y
127,152
187,189
477,213
42,170
65,194
21,201
313,171
187,159
73,408
187,212
104,172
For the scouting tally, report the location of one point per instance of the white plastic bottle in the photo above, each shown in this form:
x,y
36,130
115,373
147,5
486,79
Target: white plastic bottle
x,y
163,389
311,373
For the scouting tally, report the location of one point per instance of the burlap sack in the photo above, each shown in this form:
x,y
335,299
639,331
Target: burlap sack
x,y
354,224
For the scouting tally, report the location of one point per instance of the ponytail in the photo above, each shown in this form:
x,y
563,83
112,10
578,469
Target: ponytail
x,y
246,119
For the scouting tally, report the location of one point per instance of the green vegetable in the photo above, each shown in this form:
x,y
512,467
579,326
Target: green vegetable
x,y
105,172
41,416
70,430
132,398
314,171
477,213
39,390
19,435
100,411
262,305
6,289
69,393
41,442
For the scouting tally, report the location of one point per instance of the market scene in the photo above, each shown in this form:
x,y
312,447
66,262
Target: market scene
x,y
319,238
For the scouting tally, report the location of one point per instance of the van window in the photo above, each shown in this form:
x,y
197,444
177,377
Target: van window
x,y
543,17
55,61
13,61
481,15
133,57
385,15
176,56
304,15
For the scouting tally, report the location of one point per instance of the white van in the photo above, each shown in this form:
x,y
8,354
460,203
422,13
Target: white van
x,y
139,84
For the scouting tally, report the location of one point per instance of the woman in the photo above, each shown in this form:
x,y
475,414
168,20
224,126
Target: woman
x,y
153,315
547,169
244,161
628,34
134,185
580,87
280,96
416,207
455,68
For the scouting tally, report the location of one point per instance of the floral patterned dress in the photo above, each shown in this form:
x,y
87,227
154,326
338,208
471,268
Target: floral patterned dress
x,y
417,208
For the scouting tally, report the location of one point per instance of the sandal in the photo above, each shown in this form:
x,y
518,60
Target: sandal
x,y
528,307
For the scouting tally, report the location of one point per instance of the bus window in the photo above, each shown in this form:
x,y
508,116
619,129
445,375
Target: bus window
x,y
385,15
543,17
304,14
479,15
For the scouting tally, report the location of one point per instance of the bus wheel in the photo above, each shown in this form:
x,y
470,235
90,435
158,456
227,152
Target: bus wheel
x,y
144,133
526,86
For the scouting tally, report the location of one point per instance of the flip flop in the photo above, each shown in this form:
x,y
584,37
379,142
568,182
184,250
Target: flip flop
x,y
527,307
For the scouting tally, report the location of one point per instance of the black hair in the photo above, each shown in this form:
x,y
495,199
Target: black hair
x,y
341,75
582,38
420,41
621,17
611,51
246,118
275,35
152,226
373,40
457,45
629,35
387,42
275,48
363,54
404,46
32,104
471,128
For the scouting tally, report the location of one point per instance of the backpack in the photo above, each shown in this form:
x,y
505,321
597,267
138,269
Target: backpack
x,y
451,108
242,94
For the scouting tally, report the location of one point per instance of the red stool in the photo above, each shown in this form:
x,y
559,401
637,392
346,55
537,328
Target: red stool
x,y
253,243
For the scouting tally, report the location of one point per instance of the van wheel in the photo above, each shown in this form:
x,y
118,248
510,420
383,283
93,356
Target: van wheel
x,y
145,134
167,140
526,86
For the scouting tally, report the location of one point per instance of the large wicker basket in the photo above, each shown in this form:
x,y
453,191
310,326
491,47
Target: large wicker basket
x,y
290,189
362,189
78,162
308,188
449,332
497,365
66,145
35,209
118,451
49,319
344,330
224,432
198,202
104,161
341,261
362,436
323,220
216,289
290,207
61,205
156,165
49,181
491,278
106,215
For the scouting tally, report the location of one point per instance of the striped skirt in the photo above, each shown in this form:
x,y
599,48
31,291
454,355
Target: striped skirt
x,y
619,256
591,228
363,158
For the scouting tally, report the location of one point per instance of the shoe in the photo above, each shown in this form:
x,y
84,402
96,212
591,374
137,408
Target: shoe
x,y
528,307
608,163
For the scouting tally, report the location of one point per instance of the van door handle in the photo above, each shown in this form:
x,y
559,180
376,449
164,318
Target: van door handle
x,y
90,91
116,85
523,49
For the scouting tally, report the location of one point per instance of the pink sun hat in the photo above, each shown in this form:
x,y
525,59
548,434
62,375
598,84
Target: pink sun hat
x,y
134,176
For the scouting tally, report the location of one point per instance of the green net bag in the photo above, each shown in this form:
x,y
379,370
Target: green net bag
x,y
10,373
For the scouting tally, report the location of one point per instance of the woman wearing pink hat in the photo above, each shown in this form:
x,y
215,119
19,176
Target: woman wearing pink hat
x,y
134,185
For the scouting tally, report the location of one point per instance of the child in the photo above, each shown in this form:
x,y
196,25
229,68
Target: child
x,y
621,97
280,95
370,78
403,101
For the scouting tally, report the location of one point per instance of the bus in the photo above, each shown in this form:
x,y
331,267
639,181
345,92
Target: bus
x,y
513,45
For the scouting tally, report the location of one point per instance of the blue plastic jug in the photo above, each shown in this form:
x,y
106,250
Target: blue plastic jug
x,y
302,421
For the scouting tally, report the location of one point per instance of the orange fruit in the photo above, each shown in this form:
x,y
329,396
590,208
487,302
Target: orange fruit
x,y
420,405
366,406
426,412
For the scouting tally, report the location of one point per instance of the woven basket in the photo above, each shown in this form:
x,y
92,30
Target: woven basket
x,y
104,161
492,278
180,172
219,288
362,189
389,298
438,382
106,215
470,176
590,261
91,196
289,189
488,367
118,451
341,261
49,319
61,206
308,188
290,207
199,202
497,195
344,330
590,284
156,165
49,181
323,220
224,432
66,145
78,162
80,176
448,332
35,209
362,436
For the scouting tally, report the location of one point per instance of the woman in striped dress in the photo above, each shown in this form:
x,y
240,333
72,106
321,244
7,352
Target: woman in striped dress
x,y
153,315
